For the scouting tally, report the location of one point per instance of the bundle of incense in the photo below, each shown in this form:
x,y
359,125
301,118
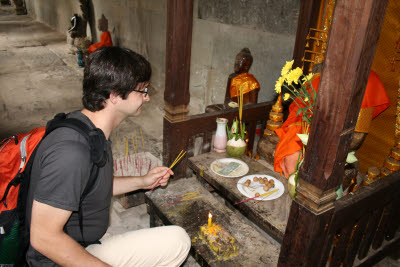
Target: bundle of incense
x,y
177,159
136,142
240,102
262,195
182,198
141,134
272,192
133,143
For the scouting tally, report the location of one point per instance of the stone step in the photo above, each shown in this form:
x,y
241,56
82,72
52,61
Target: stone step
x,y
185,202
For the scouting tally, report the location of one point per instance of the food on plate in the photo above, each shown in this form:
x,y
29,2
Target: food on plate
x,y
267,188
271,183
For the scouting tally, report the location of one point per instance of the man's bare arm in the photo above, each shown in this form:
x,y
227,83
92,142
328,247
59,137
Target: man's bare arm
x,y
48,237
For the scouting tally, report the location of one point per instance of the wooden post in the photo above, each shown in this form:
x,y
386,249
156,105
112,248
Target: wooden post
x,y
351,47
177,69
308,17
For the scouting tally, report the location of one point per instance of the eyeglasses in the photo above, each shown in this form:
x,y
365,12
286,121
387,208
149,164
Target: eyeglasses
x,y
143,92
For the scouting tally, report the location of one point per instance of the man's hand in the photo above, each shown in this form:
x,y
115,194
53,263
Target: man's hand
x,y
289,163
125,184
152,178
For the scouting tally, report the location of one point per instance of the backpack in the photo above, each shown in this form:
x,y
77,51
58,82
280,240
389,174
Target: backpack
x,y
17,154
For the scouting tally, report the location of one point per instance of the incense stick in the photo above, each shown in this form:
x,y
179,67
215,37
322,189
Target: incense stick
x,y
141,134
262,195
124,146
136,142
133,143
172,165
122,170
127,146
240,102
272,192
177,159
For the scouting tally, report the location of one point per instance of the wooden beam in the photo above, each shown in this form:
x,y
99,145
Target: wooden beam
x,y
351,47
177,134
308,16
177,69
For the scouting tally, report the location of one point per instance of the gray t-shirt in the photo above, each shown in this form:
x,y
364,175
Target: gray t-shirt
x,y
60,171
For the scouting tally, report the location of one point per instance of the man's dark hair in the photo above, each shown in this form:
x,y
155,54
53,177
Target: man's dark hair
x,y
112,69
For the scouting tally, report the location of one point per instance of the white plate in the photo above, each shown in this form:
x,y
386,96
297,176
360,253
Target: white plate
x,y
229,167
256,187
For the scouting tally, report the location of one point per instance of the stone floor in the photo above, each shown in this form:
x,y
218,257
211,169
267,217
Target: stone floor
x,y
39,78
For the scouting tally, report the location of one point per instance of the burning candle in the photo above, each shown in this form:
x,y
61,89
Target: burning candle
x,y
209,219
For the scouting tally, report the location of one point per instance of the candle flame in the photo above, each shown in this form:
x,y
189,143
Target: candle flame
x,y
209,215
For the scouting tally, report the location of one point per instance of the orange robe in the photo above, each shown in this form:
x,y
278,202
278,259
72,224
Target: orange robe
x,y
105,40
245,81
375,96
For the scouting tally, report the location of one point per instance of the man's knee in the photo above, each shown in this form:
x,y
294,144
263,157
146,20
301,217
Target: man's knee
x,y
181,236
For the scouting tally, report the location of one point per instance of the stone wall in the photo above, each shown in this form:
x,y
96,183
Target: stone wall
x,y
221,28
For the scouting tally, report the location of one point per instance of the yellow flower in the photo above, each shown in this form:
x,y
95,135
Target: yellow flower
x,y
308,77
286,97
306,99
296,73
278,85
278,88
287,67
289,77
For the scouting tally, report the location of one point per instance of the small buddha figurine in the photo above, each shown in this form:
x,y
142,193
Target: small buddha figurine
x,y
105,37
240,79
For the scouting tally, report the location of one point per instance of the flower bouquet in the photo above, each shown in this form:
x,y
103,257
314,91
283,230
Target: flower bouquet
x,y
236,146
304,96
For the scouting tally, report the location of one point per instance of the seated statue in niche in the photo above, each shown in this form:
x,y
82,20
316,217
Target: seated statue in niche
x,y
289,146
105,37
241,78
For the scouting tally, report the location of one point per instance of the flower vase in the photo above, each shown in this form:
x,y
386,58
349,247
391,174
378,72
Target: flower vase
x,y
236,148
220,135
292,185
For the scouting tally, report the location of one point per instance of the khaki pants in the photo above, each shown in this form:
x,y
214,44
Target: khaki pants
x,y
160,246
